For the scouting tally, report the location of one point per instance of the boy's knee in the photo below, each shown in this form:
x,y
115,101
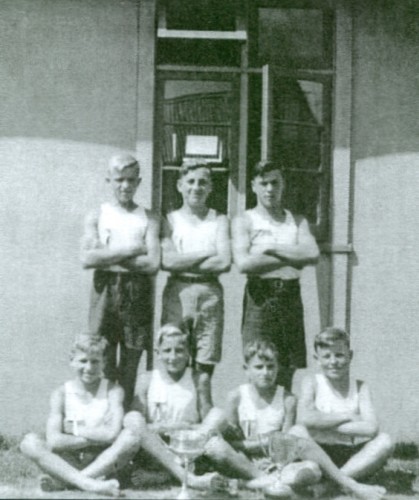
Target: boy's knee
x,y
32,445
135,423
385,442
216,449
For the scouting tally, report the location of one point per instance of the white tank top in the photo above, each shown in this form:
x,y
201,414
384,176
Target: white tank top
x,y
264,230
194,235
172,401
82,408
265,417
119,228
327,400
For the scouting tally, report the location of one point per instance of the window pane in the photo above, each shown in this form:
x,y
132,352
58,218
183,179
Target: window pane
x,y
196,127
295,38
211,15
198,52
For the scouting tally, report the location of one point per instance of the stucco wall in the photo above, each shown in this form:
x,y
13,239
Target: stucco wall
x,y
68,81
385,157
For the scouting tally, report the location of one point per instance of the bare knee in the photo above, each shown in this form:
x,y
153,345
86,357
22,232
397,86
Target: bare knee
x,y
385,443
134,424
299,431
32,445
217,449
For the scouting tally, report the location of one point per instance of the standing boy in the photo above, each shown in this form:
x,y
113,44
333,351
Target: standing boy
x,y
338,412
121,243
196,249
271,245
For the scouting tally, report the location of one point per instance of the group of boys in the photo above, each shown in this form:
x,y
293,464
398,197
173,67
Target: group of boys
x,y
89,437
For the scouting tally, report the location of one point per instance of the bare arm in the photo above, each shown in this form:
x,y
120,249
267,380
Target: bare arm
x,y
365,424
174,261
221,261
312,418
96,255
290,404
107,432
57,439
148,263
305,251
244,260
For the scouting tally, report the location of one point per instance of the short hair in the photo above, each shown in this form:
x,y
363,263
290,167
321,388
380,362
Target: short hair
x,y
265,166
190,167
88,344
171,331
330,336
120,162
265,349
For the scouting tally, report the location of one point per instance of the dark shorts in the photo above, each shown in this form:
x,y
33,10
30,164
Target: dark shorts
x,y
341,453
201,305
80,459
273,310
121,309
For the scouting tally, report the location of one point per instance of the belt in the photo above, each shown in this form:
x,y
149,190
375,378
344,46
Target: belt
x,y
204,278
276,284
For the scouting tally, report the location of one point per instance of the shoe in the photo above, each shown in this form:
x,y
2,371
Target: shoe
x,y
278,490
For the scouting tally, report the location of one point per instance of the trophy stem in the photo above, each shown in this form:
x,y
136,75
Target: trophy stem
x,y
184,493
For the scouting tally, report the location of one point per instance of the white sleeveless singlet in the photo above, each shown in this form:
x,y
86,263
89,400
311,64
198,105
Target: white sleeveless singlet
x,y
118,228
266,417
327,400
191,236
268,231
82,408
172,401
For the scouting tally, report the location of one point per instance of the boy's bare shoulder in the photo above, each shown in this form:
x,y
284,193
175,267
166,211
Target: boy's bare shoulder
x,y
233,396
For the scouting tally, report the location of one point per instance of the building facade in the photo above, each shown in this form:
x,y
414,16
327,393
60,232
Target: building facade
x,y
329,87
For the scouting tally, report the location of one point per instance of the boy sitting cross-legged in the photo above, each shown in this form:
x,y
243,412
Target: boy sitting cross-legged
x,y
87,436
338,412
264,446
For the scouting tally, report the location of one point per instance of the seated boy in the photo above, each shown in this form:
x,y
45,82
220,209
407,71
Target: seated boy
x,y
88,437
263,439
338,412
167,396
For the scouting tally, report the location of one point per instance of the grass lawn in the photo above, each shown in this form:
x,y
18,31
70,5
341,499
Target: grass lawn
x,y
19,479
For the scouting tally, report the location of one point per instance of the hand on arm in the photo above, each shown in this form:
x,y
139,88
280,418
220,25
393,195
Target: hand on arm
x,y
149,261
312,418
174,261
96,255
365,424
248,262
221,261
57,438
305,251
107,432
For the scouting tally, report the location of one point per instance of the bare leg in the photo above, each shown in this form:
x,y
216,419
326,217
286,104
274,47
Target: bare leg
x,y
229,460
35,448
128,366
370,458
204,391
158,449
309,450
121,451
215,421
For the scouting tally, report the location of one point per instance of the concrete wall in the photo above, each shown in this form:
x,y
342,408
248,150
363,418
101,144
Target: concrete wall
x,y
68,81
385,158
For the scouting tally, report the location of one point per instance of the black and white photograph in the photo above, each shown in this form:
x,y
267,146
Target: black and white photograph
x,y
210,249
